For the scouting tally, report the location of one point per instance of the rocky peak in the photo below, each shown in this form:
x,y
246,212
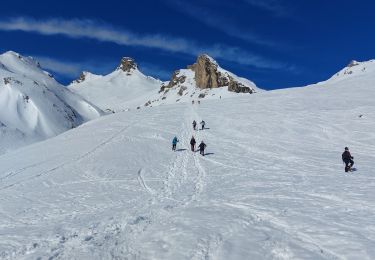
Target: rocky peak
x,y
81,78
353,63
176,79
127,64
208,74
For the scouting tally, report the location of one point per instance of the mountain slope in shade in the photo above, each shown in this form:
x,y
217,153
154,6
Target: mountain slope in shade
x,y
124,88
271,186
33,106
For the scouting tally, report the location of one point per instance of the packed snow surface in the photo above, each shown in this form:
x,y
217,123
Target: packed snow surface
x,y
271,186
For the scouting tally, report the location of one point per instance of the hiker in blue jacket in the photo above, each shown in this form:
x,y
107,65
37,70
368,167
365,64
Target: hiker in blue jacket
x,y
174,143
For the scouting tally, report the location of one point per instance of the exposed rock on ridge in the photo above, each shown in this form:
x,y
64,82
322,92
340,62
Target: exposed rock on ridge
x,y
207,75
127,64
81,77
176,79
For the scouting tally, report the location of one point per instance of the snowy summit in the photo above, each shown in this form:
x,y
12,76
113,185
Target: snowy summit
x,y
33,106
128,88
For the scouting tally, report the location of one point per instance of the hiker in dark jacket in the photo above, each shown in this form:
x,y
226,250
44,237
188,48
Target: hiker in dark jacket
x,y
203,124
192,143
347,158
201,147
195,125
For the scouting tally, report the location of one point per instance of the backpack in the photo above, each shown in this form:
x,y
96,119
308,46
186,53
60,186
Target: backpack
x,y
346,155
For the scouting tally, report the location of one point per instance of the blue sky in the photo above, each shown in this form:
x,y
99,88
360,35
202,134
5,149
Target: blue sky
x,y
275,43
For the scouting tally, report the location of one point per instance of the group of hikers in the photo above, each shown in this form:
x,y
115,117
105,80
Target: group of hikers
x,y
201,146
202,123
347,158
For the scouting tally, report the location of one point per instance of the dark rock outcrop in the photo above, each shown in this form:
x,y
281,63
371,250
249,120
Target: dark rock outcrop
x,y
207,75
238,87
81,78
176,79
127,64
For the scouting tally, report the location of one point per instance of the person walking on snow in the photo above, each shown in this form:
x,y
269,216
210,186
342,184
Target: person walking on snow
x,y
201,147
347,158
174,143
195,125
192,143
203,124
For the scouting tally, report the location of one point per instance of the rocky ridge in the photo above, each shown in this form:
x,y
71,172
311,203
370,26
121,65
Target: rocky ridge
x,y
208,75
127,64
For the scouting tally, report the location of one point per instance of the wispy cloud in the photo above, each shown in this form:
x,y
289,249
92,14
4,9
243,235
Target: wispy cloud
x,y
72,69
217,21
275,7
69,69
83,28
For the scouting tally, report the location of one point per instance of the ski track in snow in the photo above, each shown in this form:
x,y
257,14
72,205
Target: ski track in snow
x,y
169,199
74,160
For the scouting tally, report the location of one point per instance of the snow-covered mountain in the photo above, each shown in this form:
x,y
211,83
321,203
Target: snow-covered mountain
x,y
271,186
126,87
33,106
355,69
203,80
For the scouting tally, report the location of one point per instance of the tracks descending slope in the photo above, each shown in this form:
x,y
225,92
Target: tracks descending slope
x,y
182,186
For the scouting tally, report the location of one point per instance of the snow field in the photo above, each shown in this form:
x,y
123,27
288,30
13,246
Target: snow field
x,y
272,185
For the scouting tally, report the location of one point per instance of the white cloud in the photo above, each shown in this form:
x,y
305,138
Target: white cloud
x,y
274,6
84,28
73,69
64,68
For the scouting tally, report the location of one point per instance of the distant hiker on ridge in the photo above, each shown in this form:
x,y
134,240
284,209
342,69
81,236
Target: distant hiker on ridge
x,y
192,143
347,158
174,143
201,147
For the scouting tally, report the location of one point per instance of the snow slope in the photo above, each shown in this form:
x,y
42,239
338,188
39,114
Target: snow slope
x,y
355,69
33,106
119,90
272,185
